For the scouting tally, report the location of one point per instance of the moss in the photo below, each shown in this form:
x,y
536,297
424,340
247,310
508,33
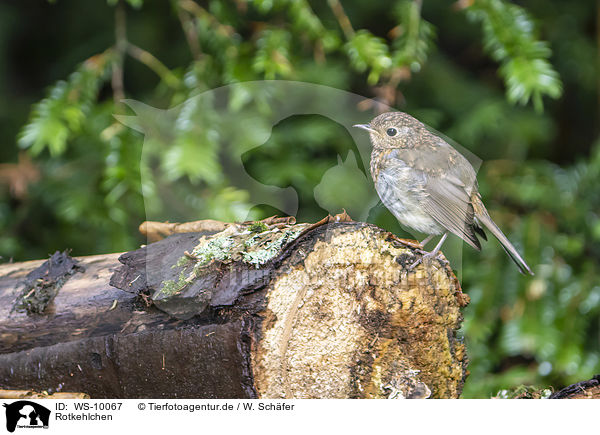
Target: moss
x,y
38,295
258,227
182,262
42,285
172,287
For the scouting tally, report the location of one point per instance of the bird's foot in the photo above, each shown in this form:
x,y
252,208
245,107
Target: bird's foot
x,y
432,254
420,260
428,256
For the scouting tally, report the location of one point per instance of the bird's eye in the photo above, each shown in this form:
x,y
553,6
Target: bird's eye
x,y
392,132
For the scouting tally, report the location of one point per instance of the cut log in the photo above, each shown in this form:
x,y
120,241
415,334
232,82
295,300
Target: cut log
x,y
286,311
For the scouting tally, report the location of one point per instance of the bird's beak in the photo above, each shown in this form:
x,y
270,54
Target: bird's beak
x,y
366,127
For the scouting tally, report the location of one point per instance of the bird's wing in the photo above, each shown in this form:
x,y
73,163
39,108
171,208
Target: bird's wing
x,y
449,204
441,188
448,182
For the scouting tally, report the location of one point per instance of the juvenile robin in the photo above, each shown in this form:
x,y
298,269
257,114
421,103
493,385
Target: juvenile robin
x,y
428,185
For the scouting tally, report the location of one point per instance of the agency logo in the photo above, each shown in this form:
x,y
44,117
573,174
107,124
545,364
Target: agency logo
x,y
26,414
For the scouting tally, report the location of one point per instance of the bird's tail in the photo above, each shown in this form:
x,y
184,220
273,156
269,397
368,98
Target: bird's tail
x,y
482,216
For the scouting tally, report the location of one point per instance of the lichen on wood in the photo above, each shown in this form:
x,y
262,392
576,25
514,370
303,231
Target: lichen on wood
x,y
187,290
256,244
41,285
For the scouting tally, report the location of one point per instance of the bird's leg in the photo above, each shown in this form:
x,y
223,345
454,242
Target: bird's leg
x,y
432,253
427,239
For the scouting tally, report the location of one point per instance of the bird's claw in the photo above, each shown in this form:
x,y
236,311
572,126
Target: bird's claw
x,y
418,261
428,256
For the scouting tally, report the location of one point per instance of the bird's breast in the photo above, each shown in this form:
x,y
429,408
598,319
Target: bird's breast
x,y
402,190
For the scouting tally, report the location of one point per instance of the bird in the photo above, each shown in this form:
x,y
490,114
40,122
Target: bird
x,y
428,185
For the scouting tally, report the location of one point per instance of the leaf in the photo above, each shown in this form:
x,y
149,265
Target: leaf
x,y
415,36
367,51
272,54
62,113
195,156
510,39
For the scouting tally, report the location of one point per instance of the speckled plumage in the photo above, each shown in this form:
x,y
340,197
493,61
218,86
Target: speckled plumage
x,y
427,184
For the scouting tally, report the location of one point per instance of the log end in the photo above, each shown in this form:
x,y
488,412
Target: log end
x,y
346,318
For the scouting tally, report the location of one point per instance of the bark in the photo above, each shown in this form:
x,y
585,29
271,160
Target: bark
x,y
581,390
329,310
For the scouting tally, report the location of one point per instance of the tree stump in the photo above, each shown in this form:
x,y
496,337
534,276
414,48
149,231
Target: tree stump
x,y
269,310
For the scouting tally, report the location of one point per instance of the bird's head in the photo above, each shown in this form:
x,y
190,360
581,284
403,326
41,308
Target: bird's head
x,y
394,130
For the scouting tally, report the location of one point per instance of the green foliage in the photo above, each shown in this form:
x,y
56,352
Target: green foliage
x,y
272,54
539,177
304,19
416,36
368,51
510,39
61,114
553,320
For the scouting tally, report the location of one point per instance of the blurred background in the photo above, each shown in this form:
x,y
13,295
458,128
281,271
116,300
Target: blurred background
x,y
515,83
